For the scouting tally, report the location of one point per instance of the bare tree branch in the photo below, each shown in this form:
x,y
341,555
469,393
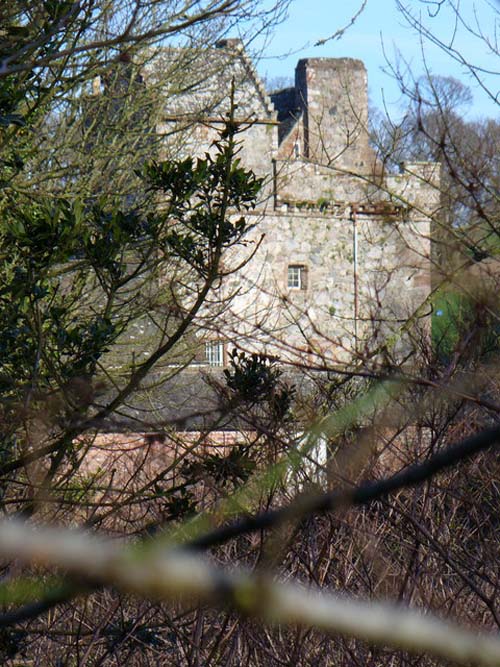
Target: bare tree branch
x,y
162,575
360,495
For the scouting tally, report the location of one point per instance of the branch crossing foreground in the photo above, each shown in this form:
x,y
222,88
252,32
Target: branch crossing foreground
x,y
163,574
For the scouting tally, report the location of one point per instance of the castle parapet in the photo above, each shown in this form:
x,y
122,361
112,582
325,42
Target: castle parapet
x,y
417,187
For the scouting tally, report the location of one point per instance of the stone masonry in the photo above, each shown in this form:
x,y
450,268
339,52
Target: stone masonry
x,y
341,249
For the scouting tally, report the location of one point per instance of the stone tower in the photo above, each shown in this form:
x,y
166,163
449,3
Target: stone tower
x,y
326,114
333,97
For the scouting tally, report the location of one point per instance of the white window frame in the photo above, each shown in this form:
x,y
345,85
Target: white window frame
x,y
214,353
296,276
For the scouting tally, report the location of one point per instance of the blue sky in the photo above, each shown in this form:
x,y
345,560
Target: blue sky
x,y
381,28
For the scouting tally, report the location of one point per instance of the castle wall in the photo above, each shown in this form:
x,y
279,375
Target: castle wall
x,y
301,182
257,144
365,275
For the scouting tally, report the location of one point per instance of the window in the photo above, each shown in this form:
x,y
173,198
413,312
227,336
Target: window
x,y
296,276
214,352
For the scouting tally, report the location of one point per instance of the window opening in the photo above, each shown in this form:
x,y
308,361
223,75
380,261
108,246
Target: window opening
x,y
296,276
214,352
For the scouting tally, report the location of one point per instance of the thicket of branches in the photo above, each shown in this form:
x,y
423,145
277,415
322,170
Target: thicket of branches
x,y
200,540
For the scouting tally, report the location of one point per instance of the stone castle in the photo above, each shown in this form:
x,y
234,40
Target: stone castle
x,y
343,264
